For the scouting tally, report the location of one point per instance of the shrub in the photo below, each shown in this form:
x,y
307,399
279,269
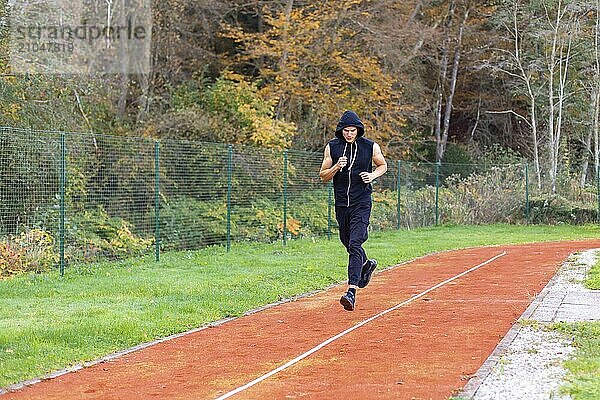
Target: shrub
x,y
496,195
248,111
307,213
190,223
554,209
384,211
229,110
187,223
491,196
260,220
93,233
418,207
31,251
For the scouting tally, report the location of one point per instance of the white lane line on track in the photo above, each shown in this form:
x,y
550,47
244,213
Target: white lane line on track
x,y
339,335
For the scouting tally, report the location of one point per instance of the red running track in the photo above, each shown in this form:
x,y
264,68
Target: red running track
x,y
426,349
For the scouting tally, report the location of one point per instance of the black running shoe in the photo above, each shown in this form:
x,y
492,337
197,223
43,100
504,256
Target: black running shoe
x,y
367,271
348,300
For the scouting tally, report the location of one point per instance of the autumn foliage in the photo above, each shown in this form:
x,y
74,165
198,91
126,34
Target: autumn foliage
x,y
311,60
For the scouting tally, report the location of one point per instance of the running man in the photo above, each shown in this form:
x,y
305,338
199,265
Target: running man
x,y
348,160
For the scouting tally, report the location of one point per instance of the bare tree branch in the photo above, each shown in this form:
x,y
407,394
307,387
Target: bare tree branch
x,y
511,112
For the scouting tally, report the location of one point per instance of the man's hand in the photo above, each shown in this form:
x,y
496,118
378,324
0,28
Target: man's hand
x,y
342,161
367,177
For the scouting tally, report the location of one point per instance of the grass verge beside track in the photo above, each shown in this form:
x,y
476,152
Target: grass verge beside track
x,y
584,370
48,322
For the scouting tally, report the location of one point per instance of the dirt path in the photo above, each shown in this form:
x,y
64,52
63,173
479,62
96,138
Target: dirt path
x,y
426,349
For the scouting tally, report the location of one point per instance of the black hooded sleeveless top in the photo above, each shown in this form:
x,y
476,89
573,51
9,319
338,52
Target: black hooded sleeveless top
x,y
348,187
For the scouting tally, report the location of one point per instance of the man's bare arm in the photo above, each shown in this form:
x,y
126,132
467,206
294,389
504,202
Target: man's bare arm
x,y
380,166
328,170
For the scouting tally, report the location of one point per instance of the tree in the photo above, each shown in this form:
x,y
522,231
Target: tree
x,y
446,86
546,60
593,88
313,59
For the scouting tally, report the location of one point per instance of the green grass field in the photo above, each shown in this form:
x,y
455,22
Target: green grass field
x,y
584,370
593,279
48,322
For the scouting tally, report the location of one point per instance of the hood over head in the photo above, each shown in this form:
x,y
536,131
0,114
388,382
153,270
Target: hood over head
x,y
349,118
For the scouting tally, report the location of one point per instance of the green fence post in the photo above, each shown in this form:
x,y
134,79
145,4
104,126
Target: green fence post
x,y
157,199
527,193
437,190
63,183
329,196
398,200
229,176
285,162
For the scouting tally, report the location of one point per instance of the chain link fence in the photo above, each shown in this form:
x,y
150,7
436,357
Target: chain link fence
x,y
68,197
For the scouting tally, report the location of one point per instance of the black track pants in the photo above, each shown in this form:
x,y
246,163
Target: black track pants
x,y
353,222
